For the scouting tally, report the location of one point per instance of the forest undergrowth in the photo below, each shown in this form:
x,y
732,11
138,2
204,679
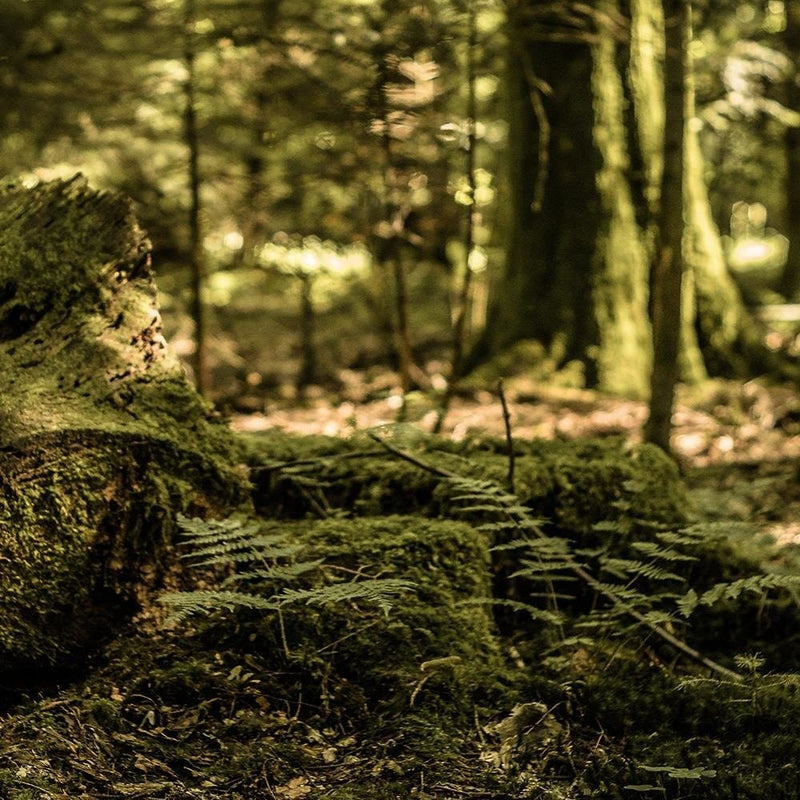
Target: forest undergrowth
x,y
413,616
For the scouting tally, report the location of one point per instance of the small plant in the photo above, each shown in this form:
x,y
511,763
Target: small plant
x,y
265,568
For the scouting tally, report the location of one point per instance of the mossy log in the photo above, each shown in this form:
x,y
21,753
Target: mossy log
x,y
102,440
572,485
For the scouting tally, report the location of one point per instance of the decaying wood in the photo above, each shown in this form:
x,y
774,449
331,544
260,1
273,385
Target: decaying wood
x,y
102,440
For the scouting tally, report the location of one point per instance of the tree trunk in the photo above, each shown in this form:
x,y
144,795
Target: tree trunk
x,y
667,273
102,439
790,284
307,374
718,334
196,255
576,271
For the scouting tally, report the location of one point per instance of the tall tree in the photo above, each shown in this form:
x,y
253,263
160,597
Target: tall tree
x,y
580,240
791,277
196,254
575,276
667,271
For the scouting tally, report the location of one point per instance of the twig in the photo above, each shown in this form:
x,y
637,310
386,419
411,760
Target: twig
x,y
509,437
307,462
588,579
284,641
442,473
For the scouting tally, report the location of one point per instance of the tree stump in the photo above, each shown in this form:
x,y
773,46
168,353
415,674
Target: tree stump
x,y
102,440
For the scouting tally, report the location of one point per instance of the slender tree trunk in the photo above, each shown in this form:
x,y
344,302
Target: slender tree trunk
x,y
790,284
465,291
390,257
463,300
667,272
308,364
253,224
196,257
404,351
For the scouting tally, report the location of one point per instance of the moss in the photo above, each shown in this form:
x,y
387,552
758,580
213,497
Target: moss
x,y
746,733
439,637
224,711
575,485
103,438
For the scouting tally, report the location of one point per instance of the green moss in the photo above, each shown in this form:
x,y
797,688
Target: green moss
x,y
103,438
439,637
81,527
573,484
746,733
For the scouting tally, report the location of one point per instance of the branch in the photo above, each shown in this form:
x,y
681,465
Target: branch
x,y
586,577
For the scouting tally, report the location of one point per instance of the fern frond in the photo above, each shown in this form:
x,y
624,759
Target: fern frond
x,y
378,591
625,568
654,550
758,584
244,556
549,617
278,573
187,604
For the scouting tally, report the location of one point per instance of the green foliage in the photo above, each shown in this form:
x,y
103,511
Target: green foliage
x,y
238,542
756,584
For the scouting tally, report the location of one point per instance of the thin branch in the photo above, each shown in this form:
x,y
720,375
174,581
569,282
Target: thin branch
x,y
536,88
509,437
442,473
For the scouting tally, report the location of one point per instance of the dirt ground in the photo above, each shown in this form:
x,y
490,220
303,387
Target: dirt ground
x,y
722,423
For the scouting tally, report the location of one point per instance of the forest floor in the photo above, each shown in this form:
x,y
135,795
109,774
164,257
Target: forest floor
x,y
174,715
722,423
738,444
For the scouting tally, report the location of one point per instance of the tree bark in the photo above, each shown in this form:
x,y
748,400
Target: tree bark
x,y
575,276
576,272
790,282
102,439
308,373
667,272
196,255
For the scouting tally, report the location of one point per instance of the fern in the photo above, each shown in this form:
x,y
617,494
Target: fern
x,y
554,618
508,516
233,542
187,604
626,567
655,550
755,584
378,591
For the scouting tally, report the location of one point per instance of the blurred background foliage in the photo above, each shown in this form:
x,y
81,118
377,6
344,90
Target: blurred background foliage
x,y
339,162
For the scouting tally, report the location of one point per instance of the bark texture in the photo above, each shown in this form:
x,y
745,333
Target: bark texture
x,y
667,273
102,440
790,284
576,271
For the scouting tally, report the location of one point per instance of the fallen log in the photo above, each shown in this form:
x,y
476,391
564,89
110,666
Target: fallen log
x,y
102,439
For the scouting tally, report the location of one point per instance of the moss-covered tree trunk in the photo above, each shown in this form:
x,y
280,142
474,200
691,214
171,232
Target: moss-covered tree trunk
x,y
576,274
718,334
576,271
102,440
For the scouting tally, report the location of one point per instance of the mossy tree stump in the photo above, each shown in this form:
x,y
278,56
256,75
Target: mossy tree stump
x,y
102,440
